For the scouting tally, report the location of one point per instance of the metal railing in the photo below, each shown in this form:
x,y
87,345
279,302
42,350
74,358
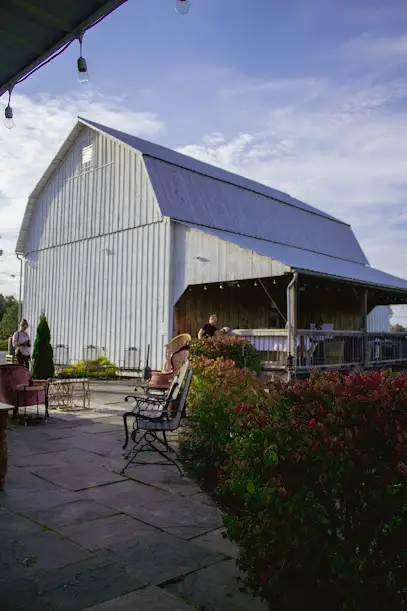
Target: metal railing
x,y
132,359
90,353
61,355
342,349
327,349
272,344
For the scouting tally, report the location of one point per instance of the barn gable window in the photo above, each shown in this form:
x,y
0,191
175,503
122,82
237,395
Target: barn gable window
x,y
87,153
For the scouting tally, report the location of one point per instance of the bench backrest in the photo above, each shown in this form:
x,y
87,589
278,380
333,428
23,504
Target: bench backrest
x,y
179,379
181,402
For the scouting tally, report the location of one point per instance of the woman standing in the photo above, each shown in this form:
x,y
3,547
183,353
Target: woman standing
x,y
22,344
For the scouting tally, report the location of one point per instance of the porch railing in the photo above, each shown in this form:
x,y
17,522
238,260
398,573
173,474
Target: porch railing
x,y
327,349
271,343
342,349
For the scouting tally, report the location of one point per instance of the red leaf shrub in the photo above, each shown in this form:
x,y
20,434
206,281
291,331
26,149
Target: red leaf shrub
x,y
229,348
321,470
217,385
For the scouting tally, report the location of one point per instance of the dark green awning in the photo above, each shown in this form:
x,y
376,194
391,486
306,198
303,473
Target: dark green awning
x,y
31,31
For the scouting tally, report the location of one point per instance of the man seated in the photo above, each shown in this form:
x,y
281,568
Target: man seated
x,y
210,328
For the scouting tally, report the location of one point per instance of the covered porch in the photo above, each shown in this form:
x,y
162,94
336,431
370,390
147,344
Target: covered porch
x,y
299,320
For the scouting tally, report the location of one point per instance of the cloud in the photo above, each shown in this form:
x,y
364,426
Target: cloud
x,y
336,141
337,144
41,125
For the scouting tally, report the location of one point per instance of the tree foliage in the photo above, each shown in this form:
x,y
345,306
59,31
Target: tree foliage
x,y
8,316
43,355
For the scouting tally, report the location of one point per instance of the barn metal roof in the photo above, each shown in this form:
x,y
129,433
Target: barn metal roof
x,y
33,30
193,191
238,210
306,261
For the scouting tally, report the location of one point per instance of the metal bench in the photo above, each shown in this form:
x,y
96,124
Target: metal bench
x,y
151,425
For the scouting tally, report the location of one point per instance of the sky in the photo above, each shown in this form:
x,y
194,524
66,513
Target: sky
x,y
307,96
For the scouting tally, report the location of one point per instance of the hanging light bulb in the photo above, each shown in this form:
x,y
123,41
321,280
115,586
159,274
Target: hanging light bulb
x,y
205,288
255,283
221,286
8,113
83,75
182,7
238,285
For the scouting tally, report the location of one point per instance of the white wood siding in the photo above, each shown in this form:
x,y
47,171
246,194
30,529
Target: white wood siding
x,y
219,261
97,256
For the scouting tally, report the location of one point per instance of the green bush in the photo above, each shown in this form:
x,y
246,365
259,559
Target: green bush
x,y
321,473
100,367
3,345
216,386
43,355
229,348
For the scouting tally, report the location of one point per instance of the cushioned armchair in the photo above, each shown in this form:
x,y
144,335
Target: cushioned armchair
x,y
12,376
161,380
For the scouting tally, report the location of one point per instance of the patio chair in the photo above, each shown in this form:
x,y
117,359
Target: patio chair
x,y
143,403
178,342
12,376
147,429
161,380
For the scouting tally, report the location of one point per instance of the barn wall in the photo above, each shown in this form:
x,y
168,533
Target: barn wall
x,y
100,272
200,258
379,320
93,200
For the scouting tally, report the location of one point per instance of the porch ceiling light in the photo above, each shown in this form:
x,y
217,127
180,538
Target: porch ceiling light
x,y
182,6
8,114
83,75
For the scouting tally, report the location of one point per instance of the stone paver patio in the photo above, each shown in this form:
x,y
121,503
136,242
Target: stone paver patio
x,y
76,535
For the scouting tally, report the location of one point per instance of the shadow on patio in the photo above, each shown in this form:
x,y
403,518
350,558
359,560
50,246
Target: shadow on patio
x,y
77,535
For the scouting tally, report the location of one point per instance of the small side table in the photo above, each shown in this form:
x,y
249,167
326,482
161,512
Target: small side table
x,y
22,390
4,410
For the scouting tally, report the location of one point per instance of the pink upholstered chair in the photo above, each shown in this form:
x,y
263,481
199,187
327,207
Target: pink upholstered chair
x,y
12,376
161,380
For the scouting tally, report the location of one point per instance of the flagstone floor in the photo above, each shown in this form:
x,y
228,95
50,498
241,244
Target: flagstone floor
x,y
75,535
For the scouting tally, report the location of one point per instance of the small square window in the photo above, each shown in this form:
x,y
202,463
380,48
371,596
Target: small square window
x,y
87,153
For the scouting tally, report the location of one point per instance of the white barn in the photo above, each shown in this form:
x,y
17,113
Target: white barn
x,y
127,243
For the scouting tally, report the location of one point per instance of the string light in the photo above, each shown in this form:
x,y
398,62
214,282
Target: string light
x,y
8,113
221,286
205,288
83,75
255,283
182,7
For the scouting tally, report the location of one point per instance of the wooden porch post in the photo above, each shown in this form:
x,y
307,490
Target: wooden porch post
x,y
364,328
292,321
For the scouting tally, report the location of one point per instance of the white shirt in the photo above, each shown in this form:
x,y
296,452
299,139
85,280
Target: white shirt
x,y
21,337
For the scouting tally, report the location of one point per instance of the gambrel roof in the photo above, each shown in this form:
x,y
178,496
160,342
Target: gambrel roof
x,y
254,216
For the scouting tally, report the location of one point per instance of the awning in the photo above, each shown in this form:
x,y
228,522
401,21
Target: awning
x,y
308,261
34,30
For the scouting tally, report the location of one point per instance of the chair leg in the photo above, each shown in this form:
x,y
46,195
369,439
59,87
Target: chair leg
x,y
155,438
130,456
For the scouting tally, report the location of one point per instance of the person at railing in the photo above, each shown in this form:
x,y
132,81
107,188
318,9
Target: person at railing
x,y
209,329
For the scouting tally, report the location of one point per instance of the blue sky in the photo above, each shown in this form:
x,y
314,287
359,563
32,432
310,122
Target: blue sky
x,y
309,96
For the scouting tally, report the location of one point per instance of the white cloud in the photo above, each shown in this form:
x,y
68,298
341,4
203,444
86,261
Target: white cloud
x,y
41,125
340,147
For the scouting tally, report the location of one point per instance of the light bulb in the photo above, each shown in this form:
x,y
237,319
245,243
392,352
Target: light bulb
x,y
205,288
182,7
8,117
83,76
255,283
221,286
